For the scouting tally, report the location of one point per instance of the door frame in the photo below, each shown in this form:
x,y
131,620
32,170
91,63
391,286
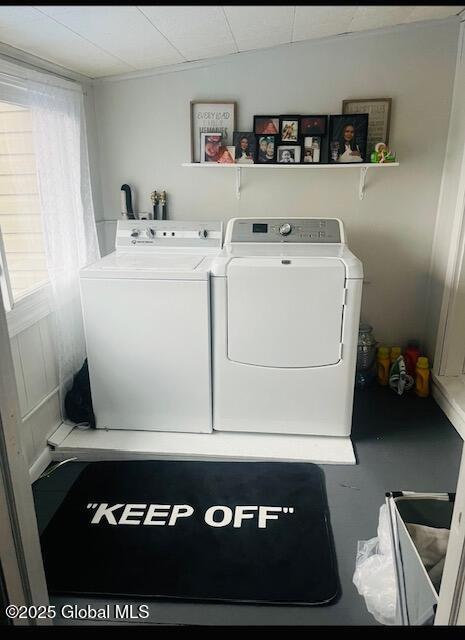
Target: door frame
x,y
451,604
20,553
448,256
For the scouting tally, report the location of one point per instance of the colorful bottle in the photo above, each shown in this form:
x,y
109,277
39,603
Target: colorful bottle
x,y
395,353
383,365
411,355
422,377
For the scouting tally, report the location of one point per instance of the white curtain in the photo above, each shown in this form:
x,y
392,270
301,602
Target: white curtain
x,y
70,236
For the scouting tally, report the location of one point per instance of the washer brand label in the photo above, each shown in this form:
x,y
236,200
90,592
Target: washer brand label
x,y
170,515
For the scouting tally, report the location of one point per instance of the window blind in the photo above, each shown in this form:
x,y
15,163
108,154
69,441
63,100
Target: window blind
x,y
20,217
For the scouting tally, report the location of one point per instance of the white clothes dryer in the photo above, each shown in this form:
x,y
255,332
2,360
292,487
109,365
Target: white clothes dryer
x,y
146,310
286,296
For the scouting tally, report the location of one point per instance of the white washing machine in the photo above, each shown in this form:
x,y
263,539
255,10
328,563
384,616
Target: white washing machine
x,y
146,310
286,296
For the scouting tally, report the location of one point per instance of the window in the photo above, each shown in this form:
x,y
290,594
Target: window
x,y
20,217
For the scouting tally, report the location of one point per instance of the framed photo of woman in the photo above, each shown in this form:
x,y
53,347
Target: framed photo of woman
x,y
266,125
245,147
348,138
379,118
266,149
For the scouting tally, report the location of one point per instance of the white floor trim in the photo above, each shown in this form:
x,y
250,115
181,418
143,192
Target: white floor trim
x,y
60,434
40,464
449,393
100,444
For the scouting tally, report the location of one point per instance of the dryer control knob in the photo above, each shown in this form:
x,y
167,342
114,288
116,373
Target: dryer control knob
x,y
285,229
150,233
203,233
135,233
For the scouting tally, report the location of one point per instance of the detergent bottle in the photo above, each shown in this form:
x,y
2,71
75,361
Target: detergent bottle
x,y
422,377
411,355
394,354
383,365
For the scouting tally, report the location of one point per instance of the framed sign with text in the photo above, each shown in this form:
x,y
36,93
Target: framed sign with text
x,y
379,118
211,117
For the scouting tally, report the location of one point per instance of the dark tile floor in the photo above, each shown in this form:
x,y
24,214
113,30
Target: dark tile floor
x,y
402,443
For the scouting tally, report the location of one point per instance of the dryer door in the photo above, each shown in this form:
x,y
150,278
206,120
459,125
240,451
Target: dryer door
x,y
285,312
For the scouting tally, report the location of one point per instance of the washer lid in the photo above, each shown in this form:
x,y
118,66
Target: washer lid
x,y
151,265
285,312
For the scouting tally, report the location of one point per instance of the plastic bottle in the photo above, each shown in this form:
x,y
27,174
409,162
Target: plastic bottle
x,y
383,363
366,356
395,353
422,377
411,355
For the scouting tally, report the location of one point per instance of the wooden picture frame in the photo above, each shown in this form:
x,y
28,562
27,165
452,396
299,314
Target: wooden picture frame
x,y
379,118
210,116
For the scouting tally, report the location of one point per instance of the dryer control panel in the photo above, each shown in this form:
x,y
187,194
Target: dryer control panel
x,y
296,230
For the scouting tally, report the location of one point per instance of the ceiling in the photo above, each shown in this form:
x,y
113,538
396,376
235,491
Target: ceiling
x,y
99,41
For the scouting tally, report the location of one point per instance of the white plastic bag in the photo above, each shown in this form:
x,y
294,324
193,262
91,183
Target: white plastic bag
x,y
374,574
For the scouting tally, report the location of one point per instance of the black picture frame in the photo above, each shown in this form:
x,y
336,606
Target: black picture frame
x,y
251,149
259,157
379,118
313,125
293,149
257,120
315,158
291,118
337,125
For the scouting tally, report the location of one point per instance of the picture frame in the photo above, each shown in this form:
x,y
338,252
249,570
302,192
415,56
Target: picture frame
x,y
210,146
313,125
348,138
245,146
379,118
264,153
266,125
226,155
289,129
211,116
289,154
311,149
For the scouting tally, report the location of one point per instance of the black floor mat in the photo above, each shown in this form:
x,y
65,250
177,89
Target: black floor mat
x,y
176,529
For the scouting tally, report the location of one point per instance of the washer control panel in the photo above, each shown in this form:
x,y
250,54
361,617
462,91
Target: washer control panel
x,y
298,230
167,233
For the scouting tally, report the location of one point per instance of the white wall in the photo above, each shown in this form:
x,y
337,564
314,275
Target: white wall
x,y
94,162
143,129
